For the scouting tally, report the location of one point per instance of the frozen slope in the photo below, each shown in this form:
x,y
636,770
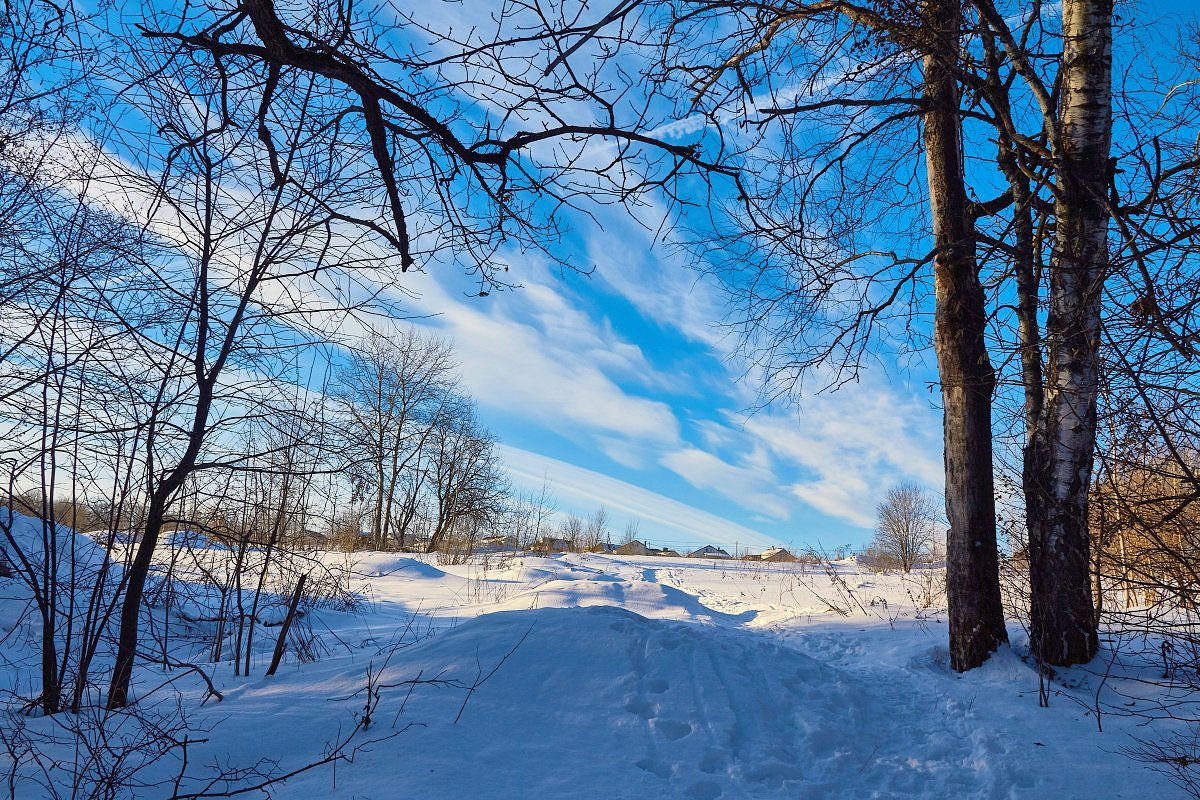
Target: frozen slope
x,y
652,678
600,702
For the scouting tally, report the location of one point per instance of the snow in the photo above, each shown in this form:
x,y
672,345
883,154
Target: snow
x,y
632,677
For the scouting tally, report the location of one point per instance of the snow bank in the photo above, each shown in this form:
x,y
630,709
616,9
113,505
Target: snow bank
x,y
627,678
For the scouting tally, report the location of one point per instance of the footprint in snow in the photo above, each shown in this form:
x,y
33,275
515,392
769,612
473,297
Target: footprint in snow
x,y
640,707
672,729
714,761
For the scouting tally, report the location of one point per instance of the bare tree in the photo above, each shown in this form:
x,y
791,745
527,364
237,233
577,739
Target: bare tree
x,y
1045,97
631,532
446,181
57,249
1142,505
529,514
466,481
595,531
257,268
905,526
968,380
1061,192
1062,619
570,530
393,392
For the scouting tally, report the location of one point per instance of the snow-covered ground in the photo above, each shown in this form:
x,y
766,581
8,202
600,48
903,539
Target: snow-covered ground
x,y
623,677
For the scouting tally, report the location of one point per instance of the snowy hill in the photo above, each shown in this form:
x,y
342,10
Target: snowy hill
x,y
626,677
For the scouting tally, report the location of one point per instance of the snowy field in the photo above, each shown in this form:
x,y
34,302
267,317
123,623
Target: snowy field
x,y
623,677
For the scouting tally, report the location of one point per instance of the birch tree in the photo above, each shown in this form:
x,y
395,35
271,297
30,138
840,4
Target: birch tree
x,y
1063,624
1045,98
1063,151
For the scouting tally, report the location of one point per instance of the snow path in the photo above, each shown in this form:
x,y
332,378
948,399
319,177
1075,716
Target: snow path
x,y
654,678
666,681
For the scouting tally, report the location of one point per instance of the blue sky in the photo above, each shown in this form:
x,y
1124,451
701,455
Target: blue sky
x,y
618,385
621,388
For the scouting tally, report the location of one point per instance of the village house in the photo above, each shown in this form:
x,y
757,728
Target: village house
x,y
709,551
634,548
776,555
550,544
497,544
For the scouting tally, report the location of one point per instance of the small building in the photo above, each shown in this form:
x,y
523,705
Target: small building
x,y
604,547
709,551
777,555
550,544
634,548
497,544
662,551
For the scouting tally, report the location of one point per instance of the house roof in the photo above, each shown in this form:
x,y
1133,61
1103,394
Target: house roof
x,y
709,550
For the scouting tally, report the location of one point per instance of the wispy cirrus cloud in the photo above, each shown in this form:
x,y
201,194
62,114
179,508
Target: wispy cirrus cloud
x,y
550,356
753,486
534,353
848,447
664,519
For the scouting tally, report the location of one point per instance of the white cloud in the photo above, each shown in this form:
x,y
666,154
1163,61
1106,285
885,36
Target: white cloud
x,y
853,445
752,485
546,357
532,354
659,283
844,495
669,519
518,370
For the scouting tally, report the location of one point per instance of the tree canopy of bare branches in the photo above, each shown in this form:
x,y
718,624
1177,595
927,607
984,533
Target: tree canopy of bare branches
x,y
476,140
905,526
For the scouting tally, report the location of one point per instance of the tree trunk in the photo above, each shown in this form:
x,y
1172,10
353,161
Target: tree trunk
x,y
972,564
281,641
131,606
377,522
139,569
51,699
1059,460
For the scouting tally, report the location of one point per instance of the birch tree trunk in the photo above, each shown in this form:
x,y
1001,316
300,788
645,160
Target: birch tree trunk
x,y
972,574
1059,461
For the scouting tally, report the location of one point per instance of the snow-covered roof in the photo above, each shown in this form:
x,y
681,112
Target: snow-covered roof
x,y
709,551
